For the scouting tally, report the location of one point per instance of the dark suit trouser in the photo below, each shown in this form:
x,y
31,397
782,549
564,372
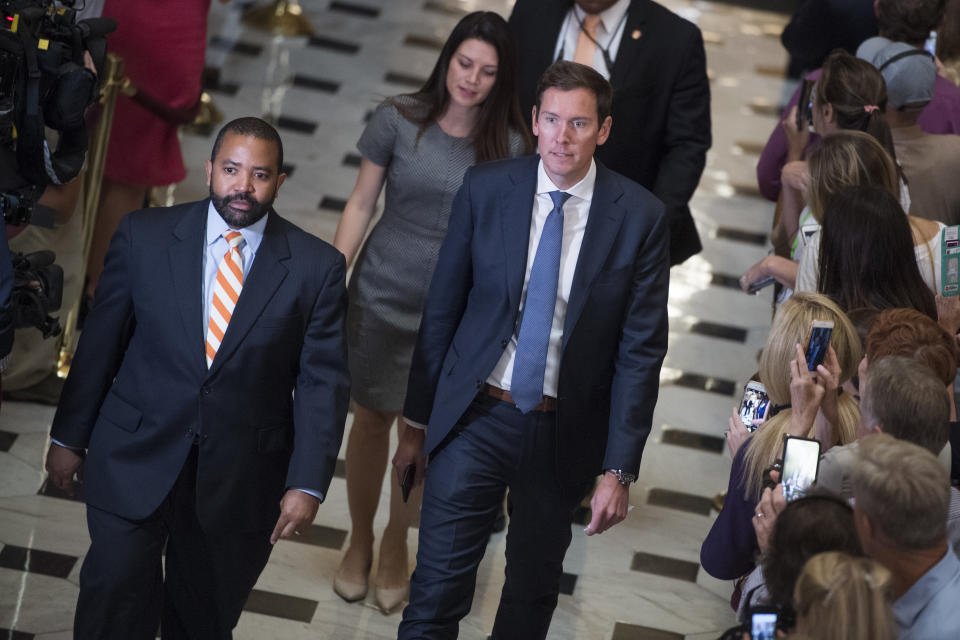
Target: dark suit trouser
x,y
493,446
125,591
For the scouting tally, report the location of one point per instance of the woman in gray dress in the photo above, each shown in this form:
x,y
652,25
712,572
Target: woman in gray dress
x,y
419,145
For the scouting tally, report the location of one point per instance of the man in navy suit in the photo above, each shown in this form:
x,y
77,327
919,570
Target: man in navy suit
x,y
209,393
537,363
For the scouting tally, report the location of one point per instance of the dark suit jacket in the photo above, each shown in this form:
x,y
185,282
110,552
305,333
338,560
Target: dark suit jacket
x,y
270,410
661,104
615,332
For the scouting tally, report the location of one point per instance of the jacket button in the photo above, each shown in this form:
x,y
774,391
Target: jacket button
x,y
504,343
188,434
206,391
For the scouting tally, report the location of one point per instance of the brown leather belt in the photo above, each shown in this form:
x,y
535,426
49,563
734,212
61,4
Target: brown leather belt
x,y
548,403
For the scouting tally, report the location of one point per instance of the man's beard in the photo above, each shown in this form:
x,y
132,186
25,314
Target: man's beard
x,y
239,219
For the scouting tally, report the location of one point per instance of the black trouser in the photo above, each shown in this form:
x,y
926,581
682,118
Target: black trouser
x,y
494,447
198,593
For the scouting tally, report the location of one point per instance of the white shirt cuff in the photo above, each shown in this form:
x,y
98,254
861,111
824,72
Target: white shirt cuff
x,y
66,446
310,492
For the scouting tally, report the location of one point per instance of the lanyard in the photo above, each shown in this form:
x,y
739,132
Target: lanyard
x,y
605,51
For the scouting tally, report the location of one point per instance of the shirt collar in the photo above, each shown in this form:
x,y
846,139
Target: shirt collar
x,y
912,603
582,190
610,17
216,227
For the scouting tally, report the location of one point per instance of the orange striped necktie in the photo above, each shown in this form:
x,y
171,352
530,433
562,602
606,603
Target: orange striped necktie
x,y
587,40
226,292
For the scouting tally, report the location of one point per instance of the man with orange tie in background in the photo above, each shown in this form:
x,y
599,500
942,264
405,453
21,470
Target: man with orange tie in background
x,y
661,106
209,392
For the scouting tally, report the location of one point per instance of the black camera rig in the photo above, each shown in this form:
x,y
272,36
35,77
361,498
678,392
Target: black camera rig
x,y
44,83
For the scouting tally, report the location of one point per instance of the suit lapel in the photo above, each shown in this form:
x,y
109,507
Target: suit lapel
x,y
186,266
628,61
265,276
603,224
516,205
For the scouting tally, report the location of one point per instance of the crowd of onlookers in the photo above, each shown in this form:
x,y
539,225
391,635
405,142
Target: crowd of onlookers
x,y
865,173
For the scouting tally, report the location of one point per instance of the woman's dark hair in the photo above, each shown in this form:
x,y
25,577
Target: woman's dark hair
x,y
948,35
867,257
909,21
499,113
858,95
820,521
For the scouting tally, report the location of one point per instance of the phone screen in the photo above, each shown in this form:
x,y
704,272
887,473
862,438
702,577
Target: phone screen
x,y
950,261
763,626
753,408
801,461
930,46
818,344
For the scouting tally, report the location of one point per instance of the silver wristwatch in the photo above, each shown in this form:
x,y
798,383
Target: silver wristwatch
x,y
623,477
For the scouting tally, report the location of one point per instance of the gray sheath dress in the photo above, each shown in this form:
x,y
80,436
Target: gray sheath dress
x,y
393,270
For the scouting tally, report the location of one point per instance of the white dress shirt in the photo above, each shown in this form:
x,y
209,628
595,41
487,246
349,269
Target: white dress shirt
x,y
609,34
575,213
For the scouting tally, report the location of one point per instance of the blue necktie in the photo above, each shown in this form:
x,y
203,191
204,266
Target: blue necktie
x,y
530,360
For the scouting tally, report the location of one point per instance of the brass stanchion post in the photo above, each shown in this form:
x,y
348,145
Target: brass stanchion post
x,y
92,180
282,18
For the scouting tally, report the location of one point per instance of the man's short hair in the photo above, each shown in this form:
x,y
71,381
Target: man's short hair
x,y
909,21
567,76
910,333
908,401
253,127
903,490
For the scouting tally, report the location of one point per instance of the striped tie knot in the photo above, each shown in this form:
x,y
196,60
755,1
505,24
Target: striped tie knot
x,y
233,238
226,293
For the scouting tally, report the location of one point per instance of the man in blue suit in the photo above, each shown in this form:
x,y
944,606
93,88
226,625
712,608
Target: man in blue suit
x,y
209,392
537,363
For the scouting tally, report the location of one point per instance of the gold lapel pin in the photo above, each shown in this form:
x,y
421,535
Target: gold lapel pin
x,y
636,34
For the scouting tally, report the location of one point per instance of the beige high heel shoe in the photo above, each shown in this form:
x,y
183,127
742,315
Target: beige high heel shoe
x,y
351,591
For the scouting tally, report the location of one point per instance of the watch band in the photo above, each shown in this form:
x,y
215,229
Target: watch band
x,y
623,477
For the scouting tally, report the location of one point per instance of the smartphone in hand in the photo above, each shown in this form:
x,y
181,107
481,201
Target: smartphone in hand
x,y
763,624
801,463
950,261
805,106
406,484
818,344
753,408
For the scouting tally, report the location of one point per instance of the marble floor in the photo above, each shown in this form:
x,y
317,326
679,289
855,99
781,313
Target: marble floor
x,y
642,579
